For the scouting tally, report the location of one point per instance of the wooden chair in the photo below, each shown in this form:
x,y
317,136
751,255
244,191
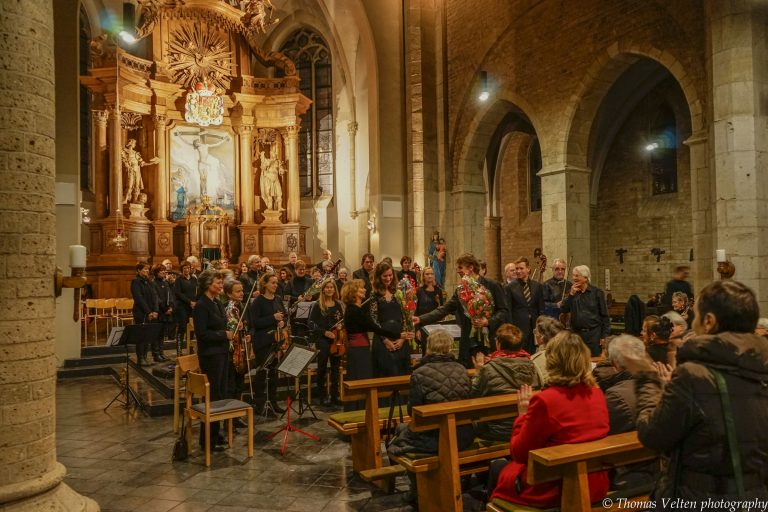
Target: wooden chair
x,y
208,412
123,311
104,311
184,364
191,344
89,317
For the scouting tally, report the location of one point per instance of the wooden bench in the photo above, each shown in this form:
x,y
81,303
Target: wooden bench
x,y
572,463
438,477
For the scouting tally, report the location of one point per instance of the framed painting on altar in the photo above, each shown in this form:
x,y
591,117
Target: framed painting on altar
x,y
202,164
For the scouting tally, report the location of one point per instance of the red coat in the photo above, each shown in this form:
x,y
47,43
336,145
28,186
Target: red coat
x,y
556,415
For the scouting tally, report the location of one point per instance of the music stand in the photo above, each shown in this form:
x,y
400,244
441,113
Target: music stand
x,y
133,335
294,363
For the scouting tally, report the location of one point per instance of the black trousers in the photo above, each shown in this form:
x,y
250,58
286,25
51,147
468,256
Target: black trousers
x,y
215,367
591,338
323,356
359,366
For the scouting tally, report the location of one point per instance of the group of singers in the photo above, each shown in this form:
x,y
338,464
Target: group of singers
x,y
253,304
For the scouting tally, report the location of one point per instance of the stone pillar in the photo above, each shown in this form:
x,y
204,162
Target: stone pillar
x,y
702,267
565,217
294,192
739,148
30,476
246,173
352,131
98,157
115,163
163,167
493,246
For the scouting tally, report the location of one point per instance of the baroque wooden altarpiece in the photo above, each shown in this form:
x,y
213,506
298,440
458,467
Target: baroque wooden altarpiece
x,y
169,181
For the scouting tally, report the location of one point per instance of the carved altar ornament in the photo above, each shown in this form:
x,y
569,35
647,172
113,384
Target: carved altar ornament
x,y
272,169
132,163
258,15
205,105
198,53
130,120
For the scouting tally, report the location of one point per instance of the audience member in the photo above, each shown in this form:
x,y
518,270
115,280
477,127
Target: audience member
x,y
546,329
678,283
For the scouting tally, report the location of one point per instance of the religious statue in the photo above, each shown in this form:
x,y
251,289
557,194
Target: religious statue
x,y
201,145
436,254
258,15
132,163
271,190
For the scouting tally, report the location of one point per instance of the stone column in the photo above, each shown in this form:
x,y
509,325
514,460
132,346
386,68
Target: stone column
x,y
565,217
30,476
702,267
739,148
115,163
493,246
246,173
294,192
163,167
352,131
98,157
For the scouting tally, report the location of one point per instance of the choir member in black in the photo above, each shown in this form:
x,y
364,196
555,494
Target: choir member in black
x,y
233,312
555,289
468,265
266,317
405,265
357,323
213,341
342,279
165,302
324,319
390,356
145,306
284,284
185,290
255,271
365,272
429,296
589,312
301,283
525,301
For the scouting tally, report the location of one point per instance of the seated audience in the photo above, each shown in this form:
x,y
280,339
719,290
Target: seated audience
x,y
503,372
721,373
645,334
571,410
762,327
661,349
605,373
680,305
546,329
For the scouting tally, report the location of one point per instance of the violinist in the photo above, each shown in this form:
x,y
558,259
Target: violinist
x,y
324,317
237,356
266,318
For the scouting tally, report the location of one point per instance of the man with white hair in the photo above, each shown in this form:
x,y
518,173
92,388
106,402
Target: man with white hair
x,y
556,288
589,312
510,274
762,327
253,275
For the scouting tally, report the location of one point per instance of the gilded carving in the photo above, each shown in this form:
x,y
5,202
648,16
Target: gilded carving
x,y
250,243
130,120
132,163
149,15
292,242
197,53
258,15
164,241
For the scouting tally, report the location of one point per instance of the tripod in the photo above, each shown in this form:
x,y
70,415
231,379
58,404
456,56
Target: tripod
x,y
133,334
130,396
268,409
288,427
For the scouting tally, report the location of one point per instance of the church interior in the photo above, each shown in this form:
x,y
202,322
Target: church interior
x,y
622,135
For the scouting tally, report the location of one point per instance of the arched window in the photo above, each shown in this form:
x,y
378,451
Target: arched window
x,y
662,149
86,182
534,180
309,51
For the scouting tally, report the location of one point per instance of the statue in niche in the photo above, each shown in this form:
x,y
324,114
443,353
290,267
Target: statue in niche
x,y
132,163
202,147
271,189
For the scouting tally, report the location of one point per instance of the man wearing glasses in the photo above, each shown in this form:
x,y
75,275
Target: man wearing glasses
x,y
555,289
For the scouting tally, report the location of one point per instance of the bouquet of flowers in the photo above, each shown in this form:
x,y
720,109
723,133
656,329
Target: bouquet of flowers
x,y
477,302
406,297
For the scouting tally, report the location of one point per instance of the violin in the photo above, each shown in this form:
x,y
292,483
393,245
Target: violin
x,y
339,346
240,351
282,340
541,266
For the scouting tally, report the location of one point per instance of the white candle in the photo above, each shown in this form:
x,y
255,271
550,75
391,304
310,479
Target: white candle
x,y
77,256
607,279
720,255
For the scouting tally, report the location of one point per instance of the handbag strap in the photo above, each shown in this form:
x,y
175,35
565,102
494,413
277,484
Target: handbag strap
x,y
730,429
388,428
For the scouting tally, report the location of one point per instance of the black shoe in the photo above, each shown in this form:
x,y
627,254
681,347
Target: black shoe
x,y
160,357
143,361
214,448
277,408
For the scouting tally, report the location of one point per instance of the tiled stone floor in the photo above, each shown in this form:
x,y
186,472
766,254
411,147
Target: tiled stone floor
x,y
123,461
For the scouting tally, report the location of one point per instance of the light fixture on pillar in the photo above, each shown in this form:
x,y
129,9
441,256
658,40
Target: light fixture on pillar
x,y
77,259
484,92
128,32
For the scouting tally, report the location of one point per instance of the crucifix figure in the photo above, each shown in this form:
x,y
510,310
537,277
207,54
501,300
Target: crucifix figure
x,y
202,144
620,253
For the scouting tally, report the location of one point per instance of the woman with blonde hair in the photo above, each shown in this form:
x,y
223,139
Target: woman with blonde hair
x,y
324,318
571,410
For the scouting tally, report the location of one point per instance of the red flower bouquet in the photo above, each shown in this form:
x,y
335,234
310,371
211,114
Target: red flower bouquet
x,y
477,302
406,297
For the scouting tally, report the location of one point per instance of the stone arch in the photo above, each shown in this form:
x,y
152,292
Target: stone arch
x,y
607,68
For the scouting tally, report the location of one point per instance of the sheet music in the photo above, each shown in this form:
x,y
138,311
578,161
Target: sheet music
x,y
452,329
303,309
296,360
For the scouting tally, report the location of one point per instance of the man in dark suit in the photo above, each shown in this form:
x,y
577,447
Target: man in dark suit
x,y
468,265
146,307
525,299
365,272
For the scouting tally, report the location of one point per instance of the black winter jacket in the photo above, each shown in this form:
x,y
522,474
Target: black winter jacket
x,y
684,419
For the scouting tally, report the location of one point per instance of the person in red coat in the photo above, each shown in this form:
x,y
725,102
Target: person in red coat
x,y
571,410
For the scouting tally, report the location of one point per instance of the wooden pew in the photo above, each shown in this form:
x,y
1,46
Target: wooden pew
x,y
572,463
438,476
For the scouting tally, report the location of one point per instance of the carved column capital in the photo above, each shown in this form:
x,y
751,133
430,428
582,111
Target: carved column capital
x,y
160,120
100,117
292,131
244,129
352,128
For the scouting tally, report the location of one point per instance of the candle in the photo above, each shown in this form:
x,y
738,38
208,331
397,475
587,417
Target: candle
x,y
77,256
607,279
720,255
